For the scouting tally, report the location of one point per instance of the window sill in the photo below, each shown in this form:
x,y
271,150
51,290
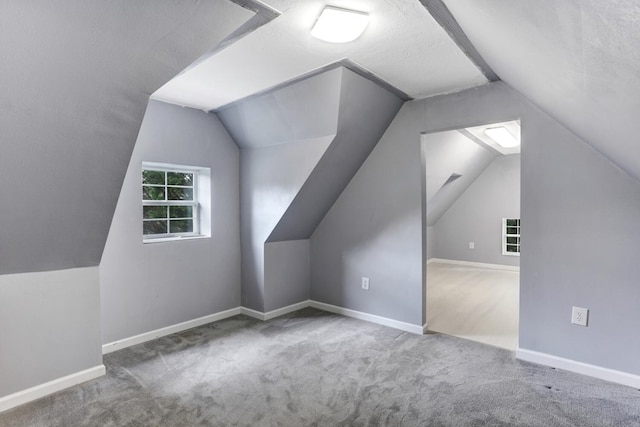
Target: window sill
x,y
174,238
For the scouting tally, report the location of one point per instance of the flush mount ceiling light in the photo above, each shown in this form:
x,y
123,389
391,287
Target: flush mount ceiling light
x,y
485,135
337,25
502,136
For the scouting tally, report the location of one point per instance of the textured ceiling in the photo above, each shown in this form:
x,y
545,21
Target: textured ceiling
x,y
576,59
402,45
75,78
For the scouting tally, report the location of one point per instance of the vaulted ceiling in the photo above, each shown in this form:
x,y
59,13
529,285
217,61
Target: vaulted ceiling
x,y
576,59
75,77
403,45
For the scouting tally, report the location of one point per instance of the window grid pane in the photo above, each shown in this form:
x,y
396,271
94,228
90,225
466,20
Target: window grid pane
x,y
169,202
180,193
181,226
180,179
154,227
153,177
511,236
151,212
182,212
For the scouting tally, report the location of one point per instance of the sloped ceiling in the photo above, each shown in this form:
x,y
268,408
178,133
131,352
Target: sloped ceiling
x,y
361,101
576,59
335,104
305,110
75,78
453,162
403,45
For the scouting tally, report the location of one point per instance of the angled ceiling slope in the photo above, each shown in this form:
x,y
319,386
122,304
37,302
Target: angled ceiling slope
x,y
75,79
357,113
365,111
403,45
577,60
299,111
452,163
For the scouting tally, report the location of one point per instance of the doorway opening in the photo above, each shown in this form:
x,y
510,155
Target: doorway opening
x,y
471,225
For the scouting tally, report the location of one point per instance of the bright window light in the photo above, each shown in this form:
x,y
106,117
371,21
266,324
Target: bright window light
x,y
337,25
502,137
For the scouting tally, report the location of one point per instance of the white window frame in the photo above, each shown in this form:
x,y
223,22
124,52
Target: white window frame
x,y
201,202
505,235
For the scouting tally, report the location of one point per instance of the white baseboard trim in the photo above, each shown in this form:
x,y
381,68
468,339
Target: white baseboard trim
x,y
179,327
425,328
475,264
148,336
42,390
408,327
252,313
606,374
274,313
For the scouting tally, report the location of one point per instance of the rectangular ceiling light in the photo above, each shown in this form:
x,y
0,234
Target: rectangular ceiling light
x,y
336,25
502,137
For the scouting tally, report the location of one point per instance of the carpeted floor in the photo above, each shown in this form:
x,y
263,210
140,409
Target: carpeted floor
x,y
312,368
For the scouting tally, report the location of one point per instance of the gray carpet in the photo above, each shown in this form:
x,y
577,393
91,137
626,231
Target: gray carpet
x,y
312,368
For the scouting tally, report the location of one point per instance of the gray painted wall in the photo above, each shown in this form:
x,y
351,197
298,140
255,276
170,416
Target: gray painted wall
x,y
374,229
75,81
50,326
288,185
476,216
149,286
270,178
286,273
580,223
283,135
580,231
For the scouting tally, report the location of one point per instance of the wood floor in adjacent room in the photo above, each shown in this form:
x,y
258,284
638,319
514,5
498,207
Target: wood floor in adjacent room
x,y
478,304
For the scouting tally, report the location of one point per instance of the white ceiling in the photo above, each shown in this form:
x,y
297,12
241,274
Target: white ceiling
x,y
402,45
576,59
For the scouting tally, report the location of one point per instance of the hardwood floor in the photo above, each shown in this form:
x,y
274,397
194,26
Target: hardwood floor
x,y
478,304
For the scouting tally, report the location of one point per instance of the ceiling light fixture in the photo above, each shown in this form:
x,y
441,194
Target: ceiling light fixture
x,y
502,137
336,25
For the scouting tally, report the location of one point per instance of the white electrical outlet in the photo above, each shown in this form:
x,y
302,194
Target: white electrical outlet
x,y
579,316
365,283
472,245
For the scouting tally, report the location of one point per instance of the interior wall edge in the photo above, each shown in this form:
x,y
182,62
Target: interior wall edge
x,y
268,315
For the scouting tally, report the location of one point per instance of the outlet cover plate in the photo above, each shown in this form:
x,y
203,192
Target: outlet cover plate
x,y
579,316
365,283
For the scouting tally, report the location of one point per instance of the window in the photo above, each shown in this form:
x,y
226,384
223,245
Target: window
x,y
511,236
171,202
